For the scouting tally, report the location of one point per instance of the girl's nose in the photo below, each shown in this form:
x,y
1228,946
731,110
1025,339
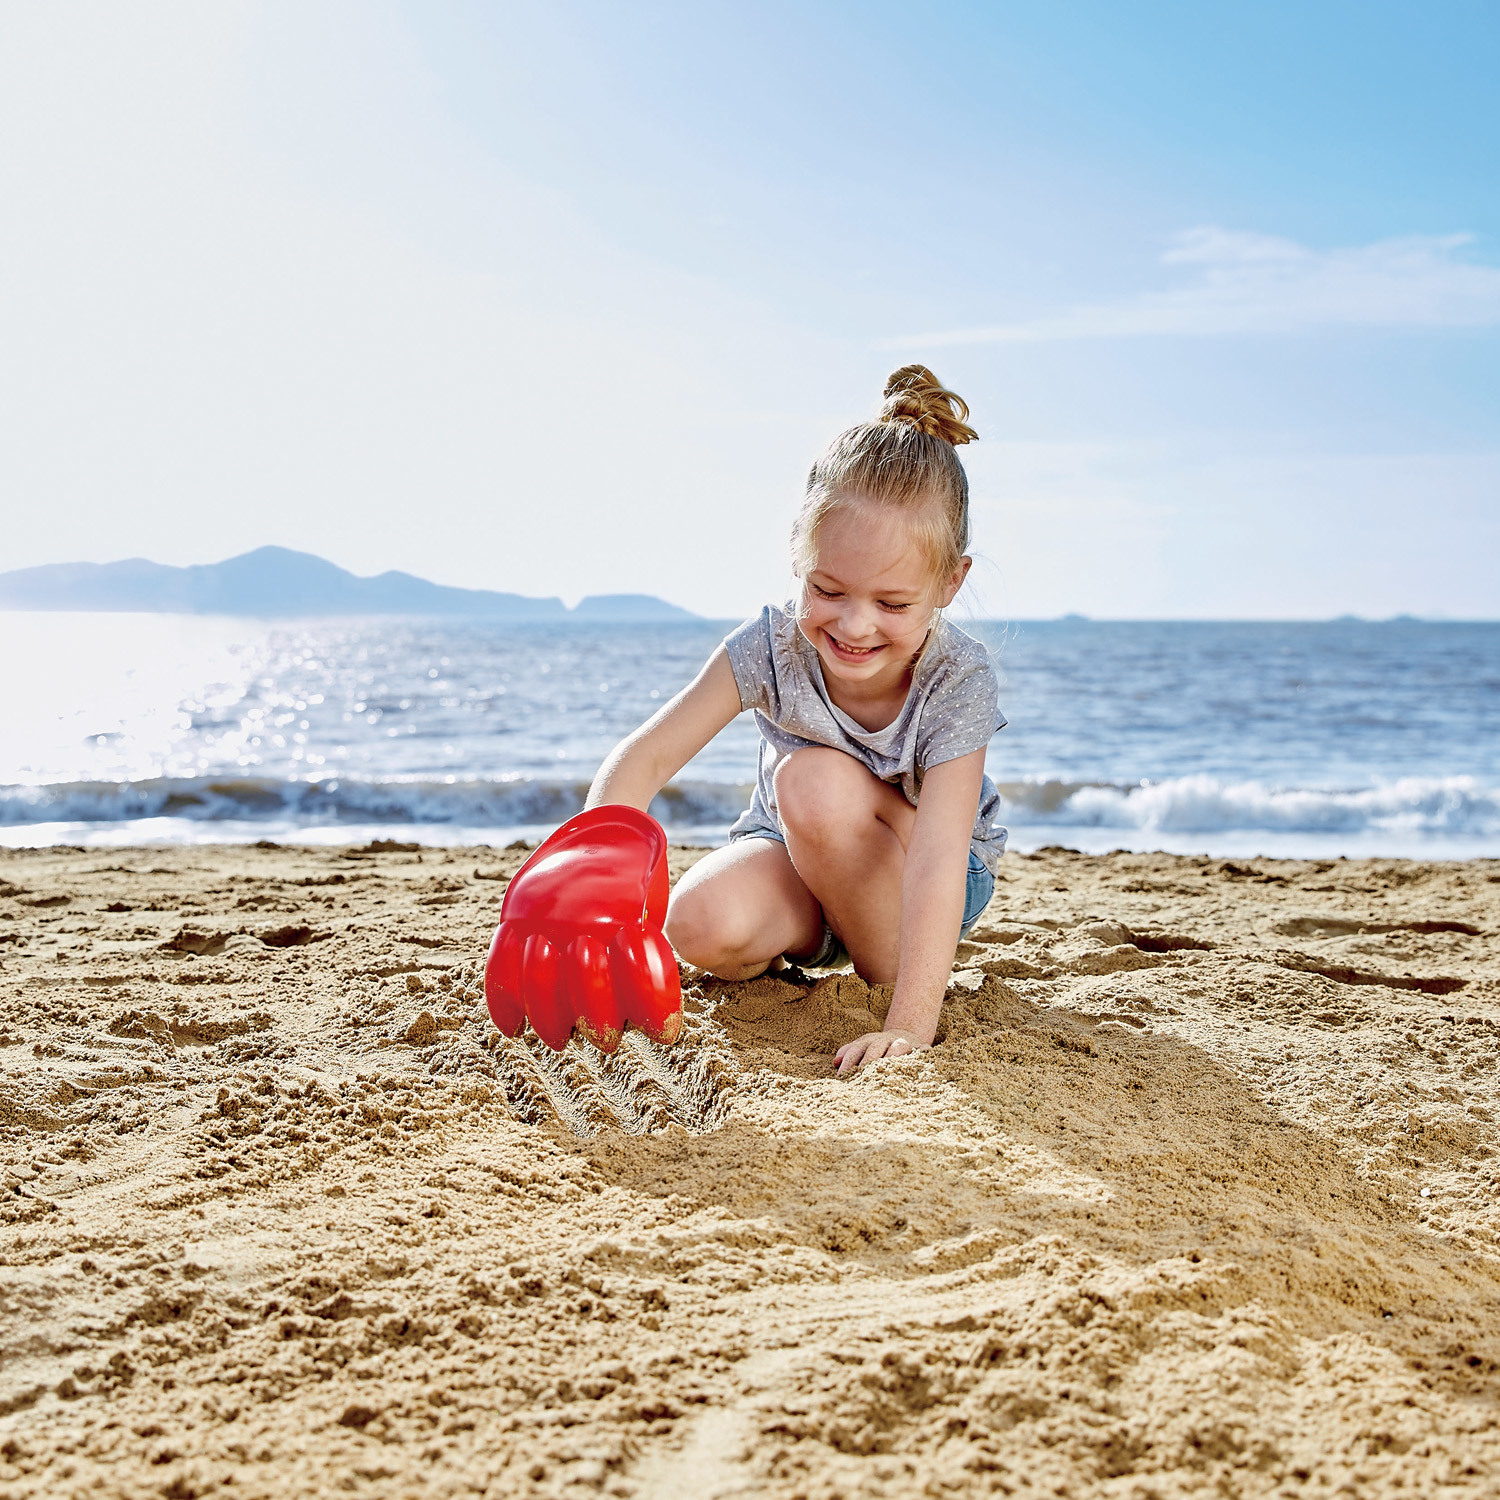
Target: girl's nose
x,y
856,622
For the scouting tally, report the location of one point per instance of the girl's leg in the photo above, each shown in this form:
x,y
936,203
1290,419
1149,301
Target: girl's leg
x,y
741,906
847,832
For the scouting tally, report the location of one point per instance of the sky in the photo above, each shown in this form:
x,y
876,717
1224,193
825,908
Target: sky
x,y
565,299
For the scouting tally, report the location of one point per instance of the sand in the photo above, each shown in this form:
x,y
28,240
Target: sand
x,y
1197,1196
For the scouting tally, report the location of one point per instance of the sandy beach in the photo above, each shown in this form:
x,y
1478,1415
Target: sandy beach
x,y
1197,1195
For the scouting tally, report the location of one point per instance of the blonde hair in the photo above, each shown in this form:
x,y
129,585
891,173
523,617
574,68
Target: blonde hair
x,y
903,460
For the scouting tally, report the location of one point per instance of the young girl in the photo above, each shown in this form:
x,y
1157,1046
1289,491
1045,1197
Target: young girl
x,y
872,827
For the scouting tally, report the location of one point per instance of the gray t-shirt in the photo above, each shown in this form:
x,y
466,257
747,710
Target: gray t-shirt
x,y
951,709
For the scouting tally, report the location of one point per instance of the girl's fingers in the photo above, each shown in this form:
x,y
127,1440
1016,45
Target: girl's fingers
x,y
857,1053
869,1048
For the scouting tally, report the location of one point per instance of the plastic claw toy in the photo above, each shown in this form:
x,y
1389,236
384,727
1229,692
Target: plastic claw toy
x,y
580,942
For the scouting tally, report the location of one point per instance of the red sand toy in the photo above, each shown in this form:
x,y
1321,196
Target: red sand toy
x,y
580,941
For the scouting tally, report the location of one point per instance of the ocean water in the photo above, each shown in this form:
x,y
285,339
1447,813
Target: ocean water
x,y
1230,739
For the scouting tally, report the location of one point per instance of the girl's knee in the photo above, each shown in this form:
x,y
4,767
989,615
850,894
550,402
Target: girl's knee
x,y
821,790
705,933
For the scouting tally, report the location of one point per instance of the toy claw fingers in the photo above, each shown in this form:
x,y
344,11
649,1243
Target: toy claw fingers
x,y
604,1039
645,971
546,1005
502,981
667,1031
666,988
591,992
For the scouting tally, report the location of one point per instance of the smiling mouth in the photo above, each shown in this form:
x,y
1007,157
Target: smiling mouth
x,y
851,653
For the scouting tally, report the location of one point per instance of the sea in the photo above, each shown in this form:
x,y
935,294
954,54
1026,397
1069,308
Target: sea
x,y
1315,740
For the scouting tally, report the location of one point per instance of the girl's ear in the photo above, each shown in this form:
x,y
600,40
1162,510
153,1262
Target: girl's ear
x,y
954,583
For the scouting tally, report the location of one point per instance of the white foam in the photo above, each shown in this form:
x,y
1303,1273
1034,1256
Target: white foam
x,y
1423,817
338,803
1412,807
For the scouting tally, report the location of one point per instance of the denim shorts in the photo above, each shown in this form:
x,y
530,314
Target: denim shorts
x,y
832,954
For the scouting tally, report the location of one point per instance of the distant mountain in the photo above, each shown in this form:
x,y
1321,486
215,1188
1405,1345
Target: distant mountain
x,y
278,581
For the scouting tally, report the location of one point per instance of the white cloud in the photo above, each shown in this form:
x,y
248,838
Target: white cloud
x,y
1257,283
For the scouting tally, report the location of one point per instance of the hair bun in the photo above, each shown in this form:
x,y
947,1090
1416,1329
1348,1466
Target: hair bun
x,y
914,395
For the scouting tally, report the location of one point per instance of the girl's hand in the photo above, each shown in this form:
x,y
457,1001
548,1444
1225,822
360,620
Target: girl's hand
x,y
875,1044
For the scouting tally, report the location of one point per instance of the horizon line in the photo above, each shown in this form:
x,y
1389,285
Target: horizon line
x,y
1065,618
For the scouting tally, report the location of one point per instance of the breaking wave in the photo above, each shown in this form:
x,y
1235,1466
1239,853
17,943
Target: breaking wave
x,y
1419,806
505,802
1449,806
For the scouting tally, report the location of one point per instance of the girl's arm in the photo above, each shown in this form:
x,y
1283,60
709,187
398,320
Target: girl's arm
x,y
644,762
933,882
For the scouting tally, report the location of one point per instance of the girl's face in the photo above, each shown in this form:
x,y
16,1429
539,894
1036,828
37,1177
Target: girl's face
x,y
867,603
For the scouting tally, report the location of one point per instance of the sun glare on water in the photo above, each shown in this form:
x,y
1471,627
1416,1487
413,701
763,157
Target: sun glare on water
x,y
111,697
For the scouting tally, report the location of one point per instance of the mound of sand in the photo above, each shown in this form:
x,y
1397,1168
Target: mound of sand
x,y
1197,1195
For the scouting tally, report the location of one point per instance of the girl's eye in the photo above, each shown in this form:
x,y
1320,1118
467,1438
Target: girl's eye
x,y
825,593
895,609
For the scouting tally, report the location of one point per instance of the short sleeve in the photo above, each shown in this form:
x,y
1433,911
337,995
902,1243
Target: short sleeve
x,y
749,651
961,716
